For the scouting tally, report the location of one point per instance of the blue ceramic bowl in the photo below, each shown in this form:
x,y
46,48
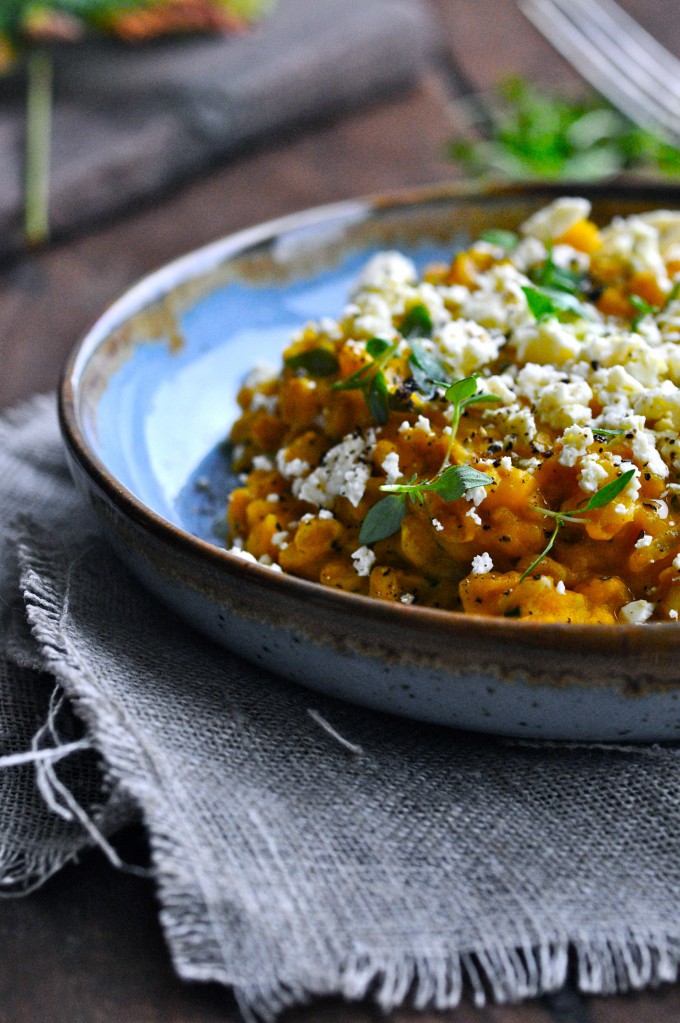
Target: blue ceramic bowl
x,y
148,397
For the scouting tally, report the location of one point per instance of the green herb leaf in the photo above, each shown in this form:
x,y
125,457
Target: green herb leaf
x,y
416,323
545,302
355,382
427,370
462,390
606,494
493,398
507,240
370,380
546,550
450,484
605,435
378,399
377,346
549,275
672,294
642,309
318,362
383,519
455,481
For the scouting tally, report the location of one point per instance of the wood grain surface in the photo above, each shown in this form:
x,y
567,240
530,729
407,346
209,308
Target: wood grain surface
x,y
87,948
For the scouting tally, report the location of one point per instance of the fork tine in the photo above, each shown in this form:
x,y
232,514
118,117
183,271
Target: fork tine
x,y
638,95
626,38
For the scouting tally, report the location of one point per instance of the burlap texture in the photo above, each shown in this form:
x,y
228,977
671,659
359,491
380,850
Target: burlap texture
x,y
400,864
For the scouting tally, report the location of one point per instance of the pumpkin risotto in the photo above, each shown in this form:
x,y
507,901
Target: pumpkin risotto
x,y
499,437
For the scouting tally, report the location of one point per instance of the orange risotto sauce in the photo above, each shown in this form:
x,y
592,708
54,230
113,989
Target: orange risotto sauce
x,y
521,405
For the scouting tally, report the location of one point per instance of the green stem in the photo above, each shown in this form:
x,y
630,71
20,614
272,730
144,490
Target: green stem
x,y
546,550
38,146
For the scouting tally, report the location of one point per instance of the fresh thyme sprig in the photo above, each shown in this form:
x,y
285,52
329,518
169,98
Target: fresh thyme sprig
x,y
370,378
604,496
605,436
385,517
460,394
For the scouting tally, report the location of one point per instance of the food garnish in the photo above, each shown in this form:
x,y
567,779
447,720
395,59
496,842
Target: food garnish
x,y
500,436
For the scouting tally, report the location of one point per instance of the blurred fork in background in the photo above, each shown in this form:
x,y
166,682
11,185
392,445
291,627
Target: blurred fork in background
x,y
617,56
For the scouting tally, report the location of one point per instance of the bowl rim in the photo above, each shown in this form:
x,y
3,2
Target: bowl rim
x,y
194,265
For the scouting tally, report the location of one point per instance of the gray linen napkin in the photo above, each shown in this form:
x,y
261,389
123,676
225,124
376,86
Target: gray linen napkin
x,y
129,122
302,846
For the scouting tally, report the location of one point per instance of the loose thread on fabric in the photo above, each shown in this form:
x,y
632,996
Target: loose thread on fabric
x,y
36,756
330,730
57,796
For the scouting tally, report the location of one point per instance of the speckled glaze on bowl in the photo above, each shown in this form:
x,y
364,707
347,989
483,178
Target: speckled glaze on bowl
x,y
149,394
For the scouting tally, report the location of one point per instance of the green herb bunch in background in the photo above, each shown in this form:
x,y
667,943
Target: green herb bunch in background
x,y
30,28
533,134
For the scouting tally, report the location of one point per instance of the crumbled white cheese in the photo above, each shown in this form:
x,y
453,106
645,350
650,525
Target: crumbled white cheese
x,y
324,513
502,386
330,327
423,423
437,525
386,268
243,555
290,469
575,443
637,612
279,539
364,560
476,495
643,541
390,466
482,563
263,462
548,342
374,317
592,475
633,488
267,562
498,300
553,220
463,346
560,588
527,253
506,463
268,402
673,614
676,562
636,243
516,421
472,514
565,402
407,598
343,473
260,374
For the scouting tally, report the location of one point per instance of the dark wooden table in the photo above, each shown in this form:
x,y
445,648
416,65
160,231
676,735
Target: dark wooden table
x,y
87,948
